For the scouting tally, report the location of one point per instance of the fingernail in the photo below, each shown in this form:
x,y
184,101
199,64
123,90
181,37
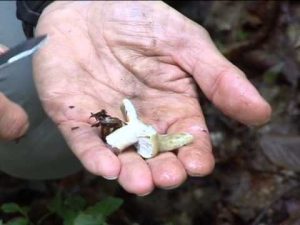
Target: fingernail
x,y
171,187
110,178
145,194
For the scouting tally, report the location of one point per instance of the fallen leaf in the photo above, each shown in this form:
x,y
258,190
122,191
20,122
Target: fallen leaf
x,y
282,150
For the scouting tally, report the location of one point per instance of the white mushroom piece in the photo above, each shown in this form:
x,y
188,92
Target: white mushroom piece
x,y
144,137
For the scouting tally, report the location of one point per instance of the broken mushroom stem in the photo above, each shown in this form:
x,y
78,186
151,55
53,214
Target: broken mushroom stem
x,y
143,136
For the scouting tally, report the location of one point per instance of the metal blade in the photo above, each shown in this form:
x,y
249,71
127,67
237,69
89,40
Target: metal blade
x,y
22,50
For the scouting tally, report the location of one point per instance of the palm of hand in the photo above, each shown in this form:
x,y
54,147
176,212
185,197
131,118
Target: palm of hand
x,y
99,53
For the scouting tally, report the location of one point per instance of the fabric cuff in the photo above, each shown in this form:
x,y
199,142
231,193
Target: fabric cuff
x,y
29,12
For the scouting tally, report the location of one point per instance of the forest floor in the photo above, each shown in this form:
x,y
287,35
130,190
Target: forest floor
x,y
256,180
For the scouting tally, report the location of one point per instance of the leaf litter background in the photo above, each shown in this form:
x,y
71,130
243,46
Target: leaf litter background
x,y
256,180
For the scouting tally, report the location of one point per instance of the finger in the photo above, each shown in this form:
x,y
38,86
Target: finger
x,y
3,49
135,176
223,83
197,158
86,144
13,119
167,171
163,115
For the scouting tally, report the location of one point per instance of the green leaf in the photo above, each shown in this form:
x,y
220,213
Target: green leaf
x,y
105,207
76,203
69,217
56,205
88,219
1,222
68,208
18,221
71,210
11,208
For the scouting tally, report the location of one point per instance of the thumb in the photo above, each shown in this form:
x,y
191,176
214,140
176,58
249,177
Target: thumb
x,y
222,82
13,118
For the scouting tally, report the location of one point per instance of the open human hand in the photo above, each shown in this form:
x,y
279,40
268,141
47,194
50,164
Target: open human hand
x,y
13,118
99,53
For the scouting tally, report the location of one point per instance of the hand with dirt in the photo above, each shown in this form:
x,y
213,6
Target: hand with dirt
x,y
13,119
99,53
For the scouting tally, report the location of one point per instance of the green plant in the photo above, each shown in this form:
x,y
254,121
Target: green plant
x,y
15,208
73,210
